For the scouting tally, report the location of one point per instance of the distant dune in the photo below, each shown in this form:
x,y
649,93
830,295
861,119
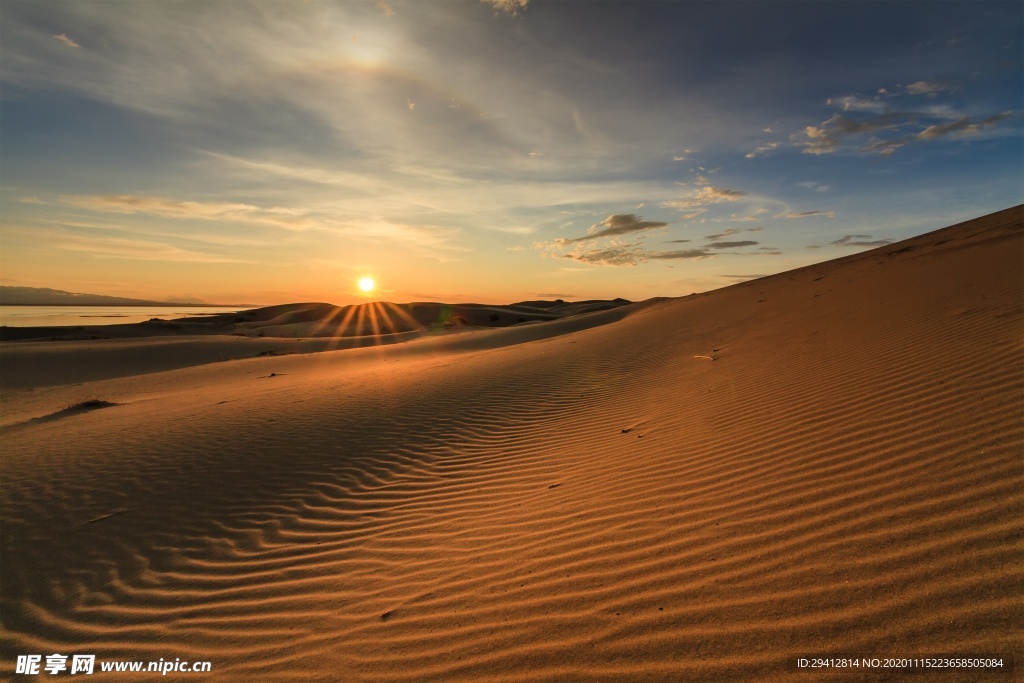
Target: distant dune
x,y
822,462
43,296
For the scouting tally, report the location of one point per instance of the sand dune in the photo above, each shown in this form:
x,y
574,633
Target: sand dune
x,y
825,461
379,319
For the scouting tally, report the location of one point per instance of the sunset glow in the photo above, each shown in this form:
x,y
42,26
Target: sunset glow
x,y
491,150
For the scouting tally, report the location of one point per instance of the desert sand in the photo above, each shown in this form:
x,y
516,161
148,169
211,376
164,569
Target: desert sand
x,y
825,461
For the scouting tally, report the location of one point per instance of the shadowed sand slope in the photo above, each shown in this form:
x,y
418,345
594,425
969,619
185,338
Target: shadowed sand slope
x,y
378,319
823,461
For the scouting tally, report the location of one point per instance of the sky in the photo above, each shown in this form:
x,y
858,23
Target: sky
x,y
490,151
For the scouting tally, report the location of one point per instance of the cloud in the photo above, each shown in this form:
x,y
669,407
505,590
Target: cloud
x,y
757,215
63,37
677,241
619,224
681,254
30,200
888,129
703,197
884,147
827,137
132,249
609,256
854,241
686,216
731,231
435,241
962,126
290,219
932,132
860,241
926,88
813,185
730,245
854,103
510,6
806,214
384,7
763,149
629,254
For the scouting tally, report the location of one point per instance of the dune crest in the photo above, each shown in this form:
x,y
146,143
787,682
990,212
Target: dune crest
x,y
824,461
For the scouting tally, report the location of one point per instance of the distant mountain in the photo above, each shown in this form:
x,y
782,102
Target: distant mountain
x,y
42,296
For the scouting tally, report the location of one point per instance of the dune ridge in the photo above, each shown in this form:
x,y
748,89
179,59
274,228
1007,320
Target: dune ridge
x,y
825,461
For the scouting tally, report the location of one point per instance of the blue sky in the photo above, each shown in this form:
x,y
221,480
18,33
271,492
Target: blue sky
x,y
490,151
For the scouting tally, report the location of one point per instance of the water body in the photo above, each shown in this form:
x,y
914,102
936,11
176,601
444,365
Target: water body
x,y
48,316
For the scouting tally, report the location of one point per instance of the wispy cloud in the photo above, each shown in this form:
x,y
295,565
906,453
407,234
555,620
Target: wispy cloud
x,y
854,241
122,248
631,255
680,254
509,6
701,198
731,245
814,185
806,214
963,126
885,121
854,103
861,241
435,241
63,37
731,231
618,253
619,224
761,150
926,88
282,217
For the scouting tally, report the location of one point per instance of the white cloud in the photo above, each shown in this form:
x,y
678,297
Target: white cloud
x,y
63,37
702,197
854,103
763,149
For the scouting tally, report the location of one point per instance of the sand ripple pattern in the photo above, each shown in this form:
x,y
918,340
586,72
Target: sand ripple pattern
x,y
844,476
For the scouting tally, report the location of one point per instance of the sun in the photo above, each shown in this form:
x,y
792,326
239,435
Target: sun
x,y
367,284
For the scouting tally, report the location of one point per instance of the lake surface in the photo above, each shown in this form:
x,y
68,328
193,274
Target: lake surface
x,y
47,316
